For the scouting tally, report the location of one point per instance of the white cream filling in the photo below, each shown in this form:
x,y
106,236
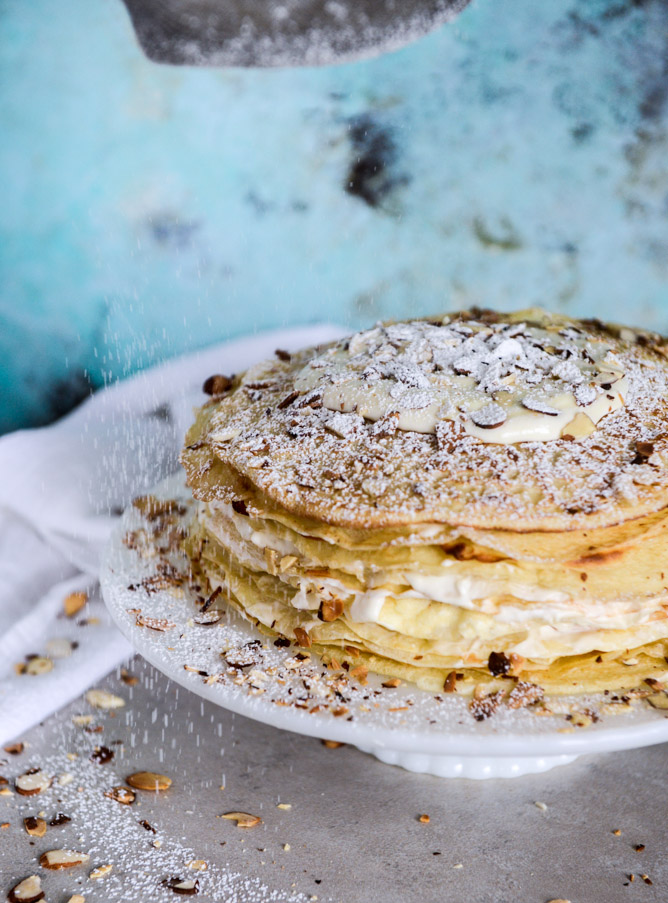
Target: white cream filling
x,y
552,617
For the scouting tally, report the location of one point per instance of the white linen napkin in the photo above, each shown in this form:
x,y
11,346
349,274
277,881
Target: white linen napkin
x,y
61,490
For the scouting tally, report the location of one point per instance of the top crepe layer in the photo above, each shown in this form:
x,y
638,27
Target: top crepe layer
x,y
268,438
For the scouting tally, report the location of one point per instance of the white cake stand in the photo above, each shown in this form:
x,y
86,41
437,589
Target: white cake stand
x,y
406,726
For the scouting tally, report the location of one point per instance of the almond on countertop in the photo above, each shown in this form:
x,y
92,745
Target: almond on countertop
x,y
14,749
54,860
34,826
27,891
103,699
186,886
149,780
243,819
32,782
121,795
100,872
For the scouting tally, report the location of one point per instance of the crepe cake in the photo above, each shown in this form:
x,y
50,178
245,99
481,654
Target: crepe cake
x,y
447,500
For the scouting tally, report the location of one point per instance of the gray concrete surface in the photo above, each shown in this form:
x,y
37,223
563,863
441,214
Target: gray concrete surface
x,y
352,829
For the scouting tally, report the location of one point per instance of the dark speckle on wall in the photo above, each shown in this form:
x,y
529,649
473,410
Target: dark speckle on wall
x,y
500,236
582,132
172,232
374,171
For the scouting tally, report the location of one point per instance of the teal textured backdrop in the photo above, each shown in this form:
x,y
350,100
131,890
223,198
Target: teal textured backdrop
x,y
517,156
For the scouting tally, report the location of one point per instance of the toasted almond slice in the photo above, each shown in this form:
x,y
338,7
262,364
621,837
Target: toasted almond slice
x,y
578,428
59,647
149,780
186,886
243,819
658,700
160,624
330,609
103,699
332,744
62,859
271,560
34,826
73,603
39,665
27,891
100,872
581,719
391,683
286,562
199,865
32,782
76,898
303,638
15,749
121,795
424,819
129,679
82,720
209,617
285,806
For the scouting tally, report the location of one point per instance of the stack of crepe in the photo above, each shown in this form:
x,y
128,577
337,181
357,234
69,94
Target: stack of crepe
x,y
447,499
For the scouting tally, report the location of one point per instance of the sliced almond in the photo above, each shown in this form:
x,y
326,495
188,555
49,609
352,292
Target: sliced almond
x,y
32,782
578,428
100,872
392,683
62,859
27,891
581,719
73,603
199,865
82,720
129,679
149,780
330,609
271,560
103,699
76,898
34,826
121,795
209,617
39,665
15,749
360,672
243,819
303,638
332,744
186,886
658,700
59,647
160,624
424,819
286,562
